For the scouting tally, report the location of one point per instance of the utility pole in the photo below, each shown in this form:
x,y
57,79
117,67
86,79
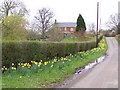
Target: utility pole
x,y
97,24
100,26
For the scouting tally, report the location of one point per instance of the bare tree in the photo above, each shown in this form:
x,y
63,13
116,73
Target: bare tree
x,y
43,20
12,7
54,34
1,17
113,21
91,27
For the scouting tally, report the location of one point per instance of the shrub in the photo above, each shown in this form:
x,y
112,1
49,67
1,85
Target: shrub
x,y
25,51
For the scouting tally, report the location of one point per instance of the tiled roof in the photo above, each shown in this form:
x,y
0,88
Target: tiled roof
x,y
66,24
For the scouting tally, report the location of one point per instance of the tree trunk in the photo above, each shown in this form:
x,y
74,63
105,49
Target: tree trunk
x,y
80,34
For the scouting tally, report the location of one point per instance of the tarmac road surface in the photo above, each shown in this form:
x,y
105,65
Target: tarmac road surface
x,y
103,75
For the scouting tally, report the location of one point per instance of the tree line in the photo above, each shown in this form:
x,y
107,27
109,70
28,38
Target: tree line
x,y
15,26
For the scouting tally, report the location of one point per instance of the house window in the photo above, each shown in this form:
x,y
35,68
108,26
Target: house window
x,y
71,29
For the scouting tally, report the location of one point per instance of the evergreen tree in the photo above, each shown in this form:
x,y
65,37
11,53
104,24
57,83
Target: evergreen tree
x,y
80,24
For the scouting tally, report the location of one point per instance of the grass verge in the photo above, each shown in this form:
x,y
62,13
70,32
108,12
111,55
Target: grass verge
x,y
78,39
45,74
118,39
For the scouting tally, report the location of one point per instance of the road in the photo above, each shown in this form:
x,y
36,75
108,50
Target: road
x,y
103,75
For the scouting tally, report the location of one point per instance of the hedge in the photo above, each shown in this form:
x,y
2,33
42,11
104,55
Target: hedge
x,y
26,51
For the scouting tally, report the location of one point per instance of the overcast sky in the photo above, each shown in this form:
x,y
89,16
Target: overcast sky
x,y
68,10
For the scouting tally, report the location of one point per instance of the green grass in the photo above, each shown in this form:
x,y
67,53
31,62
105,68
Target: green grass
x,y
118,38
46,75
82,39
87,37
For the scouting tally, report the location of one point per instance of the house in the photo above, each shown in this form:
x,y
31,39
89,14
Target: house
x,y
66,27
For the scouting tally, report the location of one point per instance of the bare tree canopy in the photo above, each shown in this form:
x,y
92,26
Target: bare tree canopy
x,y
113,21
9,7
54,34
43,20
91,27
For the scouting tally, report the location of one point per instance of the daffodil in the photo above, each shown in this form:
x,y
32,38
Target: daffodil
x,y
40,60
38,65
18,64
45,63
5,68
54,60
25,64
32,61
2,69
70,54
51,65
20,77
28,67
28,64
21,63
12,64
64,58
13,68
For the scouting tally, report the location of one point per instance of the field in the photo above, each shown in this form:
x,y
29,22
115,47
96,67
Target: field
x,y
87,37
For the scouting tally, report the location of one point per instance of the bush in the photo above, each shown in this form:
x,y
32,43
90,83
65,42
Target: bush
x,y
109,33
25,51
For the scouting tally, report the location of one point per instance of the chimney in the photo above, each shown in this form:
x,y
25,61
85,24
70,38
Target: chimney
x,y
55,21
